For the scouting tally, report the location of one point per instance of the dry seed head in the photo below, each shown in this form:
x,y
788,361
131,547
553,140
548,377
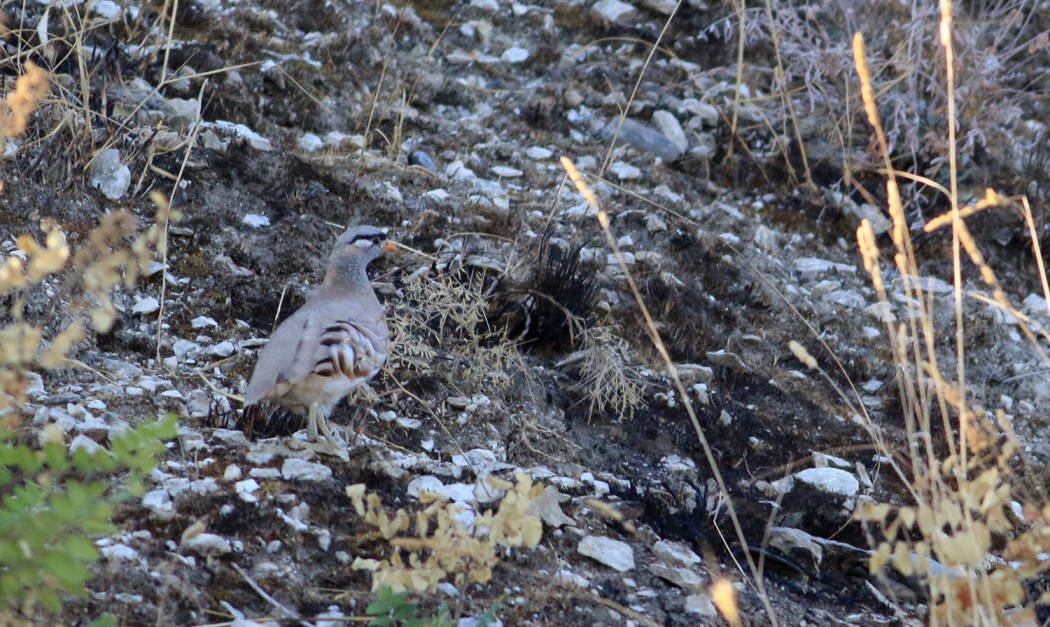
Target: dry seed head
x,y
724,598
61,344
18,343
12,275
30,88
800,353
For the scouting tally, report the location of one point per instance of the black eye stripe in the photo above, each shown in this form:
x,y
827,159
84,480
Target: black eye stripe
x,y
372,236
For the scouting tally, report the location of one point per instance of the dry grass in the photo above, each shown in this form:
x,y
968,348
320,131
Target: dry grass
x,y
962,501
440,323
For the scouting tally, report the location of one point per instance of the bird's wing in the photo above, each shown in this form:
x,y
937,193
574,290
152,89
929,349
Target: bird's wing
x,y
329,340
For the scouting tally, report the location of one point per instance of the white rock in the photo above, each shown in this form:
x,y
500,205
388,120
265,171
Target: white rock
x,y
664,7
478,458
701,603
571,578
84,442
677,552
255,220
765,238
232,473
830,480
548,507
201,322
145,306
613,553
456,492
119,552
245,489
655,224
457,170
208,545
310,143
707,114
625,171
182,113
514,55
614,10
677,463
109,175
680,576
107,9
846,298
426,483
1035,305
264,473
538,153
185,348
159,502
790,541
302,470
222,349
668,124
485,5
505,172
36,390
813,265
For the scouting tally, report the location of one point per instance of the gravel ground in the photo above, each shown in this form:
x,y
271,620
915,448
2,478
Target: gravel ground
x,y
444,123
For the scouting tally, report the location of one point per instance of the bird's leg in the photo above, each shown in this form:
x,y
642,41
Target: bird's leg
x,y
329,434
311,423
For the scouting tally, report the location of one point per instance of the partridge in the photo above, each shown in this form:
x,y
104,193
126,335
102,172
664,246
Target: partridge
x,y
336,342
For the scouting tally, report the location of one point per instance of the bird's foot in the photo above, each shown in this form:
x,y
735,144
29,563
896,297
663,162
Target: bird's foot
x,y
323,447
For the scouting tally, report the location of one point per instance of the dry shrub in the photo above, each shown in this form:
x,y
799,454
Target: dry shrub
x,y
610,382
450,540
113,255
442,319
1000,92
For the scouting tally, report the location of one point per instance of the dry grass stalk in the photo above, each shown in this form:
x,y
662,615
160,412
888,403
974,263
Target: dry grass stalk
x,y
964,499
661,348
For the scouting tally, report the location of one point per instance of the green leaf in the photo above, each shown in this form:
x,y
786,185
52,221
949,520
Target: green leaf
x,y
55,456
82,549
106,620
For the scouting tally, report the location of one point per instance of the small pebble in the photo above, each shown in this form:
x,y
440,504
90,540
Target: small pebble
x,y
145,306
423,160
514,55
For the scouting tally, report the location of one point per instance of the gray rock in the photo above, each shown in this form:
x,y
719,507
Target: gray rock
x,y
208,545
671,129
799,546
109,175
813,265
701,604
302,470
676,551
613,553
642,137
614,11
548,507
684,578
